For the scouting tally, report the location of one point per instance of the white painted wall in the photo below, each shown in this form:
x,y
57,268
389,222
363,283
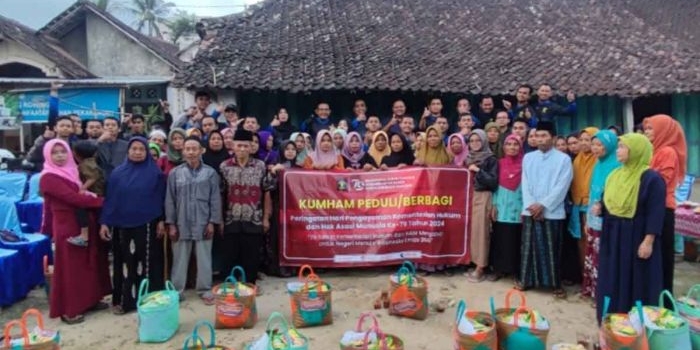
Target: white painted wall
x,y
11,52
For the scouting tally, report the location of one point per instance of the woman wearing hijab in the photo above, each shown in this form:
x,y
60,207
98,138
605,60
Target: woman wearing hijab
x,y
154,150
433,152
493,134
483,166
378,149
134,209
603,146
281,127
176,141
287,160
354,155
670,161
227,135
324,157
81,275
267,152
216,153
458,149
401,153
630,266
302,151
507,207
580,185
339,136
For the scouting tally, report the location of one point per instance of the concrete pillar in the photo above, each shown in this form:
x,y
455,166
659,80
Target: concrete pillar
x,y
628,115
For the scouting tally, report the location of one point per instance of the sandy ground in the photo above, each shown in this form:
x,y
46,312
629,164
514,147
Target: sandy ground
x,y
353,293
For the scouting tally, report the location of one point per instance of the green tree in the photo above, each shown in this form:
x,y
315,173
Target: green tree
x,y
149,14
182,24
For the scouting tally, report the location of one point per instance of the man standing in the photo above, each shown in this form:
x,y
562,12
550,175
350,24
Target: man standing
x,y
502,121
548,110
465,124
136,125
111,150
547,175
248,208
193,117
408,127
231,116
208,125
430,114
192,212
359,117
486,112
320,120
398,112
523,109
93,128
63,129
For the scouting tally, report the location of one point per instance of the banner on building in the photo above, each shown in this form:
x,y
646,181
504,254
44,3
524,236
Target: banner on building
x,y
87,103
335,219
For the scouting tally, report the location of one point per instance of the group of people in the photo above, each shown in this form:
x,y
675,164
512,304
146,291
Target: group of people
x,y
594,207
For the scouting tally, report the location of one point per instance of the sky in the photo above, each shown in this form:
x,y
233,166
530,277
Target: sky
x,y
36,13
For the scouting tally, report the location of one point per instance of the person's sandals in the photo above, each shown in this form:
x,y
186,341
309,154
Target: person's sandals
x,y
476,277
100,306
559,293
494,277
73,320
208,298
519,286
118,310
77,241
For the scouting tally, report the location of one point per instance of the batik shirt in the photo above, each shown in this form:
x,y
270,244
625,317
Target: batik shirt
x,y
245,187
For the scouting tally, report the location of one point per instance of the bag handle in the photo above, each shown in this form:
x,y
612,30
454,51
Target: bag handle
x,y
36,313
493,307
242,273
230,280
509,295
313,278
410,266
670,298
381,338
212,334
404,271
606,306
461,309
361,321
303,268
143,290
694,292
527,311
284,330
192,338
8,337
169,286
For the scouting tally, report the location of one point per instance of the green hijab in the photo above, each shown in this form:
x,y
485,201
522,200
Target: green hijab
x,y
173,155
623,185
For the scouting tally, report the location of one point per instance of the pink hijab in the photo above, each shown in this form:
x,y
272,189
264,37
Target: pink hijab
x,y
68,171
321,158
458,159
510,168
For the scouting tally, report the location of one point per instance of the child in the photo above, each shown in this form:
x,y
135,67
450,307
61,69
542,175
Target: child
x,y
93,181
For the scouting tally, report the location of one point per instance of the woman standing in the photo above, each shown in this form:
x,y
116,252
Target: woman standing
x,y
433,152
176,141
267,152
216,153
603,146
495,138
339,136
583,169
302,148
378,149
227,135
354,156
81,275
507,207
630,266
670,161
401,153
483,166
134,210
458,149
324,157
418,144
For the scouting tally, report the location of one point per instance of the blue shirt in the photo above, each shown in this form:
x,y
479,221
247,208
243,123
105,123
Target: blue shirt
x,y
546,180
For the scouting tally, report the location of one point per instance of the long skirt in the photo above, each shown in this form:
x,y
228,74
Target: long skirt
x,y
667,248
590,268
480,237
540,253
141,255
505,248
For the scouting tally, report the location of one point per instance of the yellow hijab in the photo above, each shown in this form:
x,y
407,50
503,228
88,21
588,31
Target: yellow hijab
x,y
583,170
437,155
374,152
623,184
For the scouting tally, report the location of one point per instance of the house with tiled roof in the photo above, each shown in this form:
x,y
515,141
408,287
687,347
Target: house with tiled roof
x,y
106,66
624,59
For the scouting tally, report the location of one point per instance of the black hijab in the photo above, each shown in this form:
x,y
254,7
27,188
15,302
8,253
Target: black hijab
x,y
405,156
214,158
288,163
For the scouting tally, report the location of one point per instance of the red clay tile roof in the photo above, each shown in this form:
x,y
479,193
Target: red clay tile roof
x,y
43,45
596,47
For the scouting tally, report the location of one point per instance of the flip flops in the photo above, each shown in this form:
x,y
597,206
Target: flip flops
x,y
77,241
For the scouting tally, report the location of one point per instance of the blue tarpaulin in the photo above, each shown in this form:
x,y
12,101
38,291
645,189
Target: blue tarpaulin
x,y
87,103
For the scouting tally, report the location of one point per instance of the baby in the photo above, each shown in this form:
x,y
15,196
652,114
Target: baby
x,y
93,181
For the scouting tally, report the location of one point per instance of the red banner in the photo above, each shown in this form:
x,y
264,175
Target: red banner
x,y
333,219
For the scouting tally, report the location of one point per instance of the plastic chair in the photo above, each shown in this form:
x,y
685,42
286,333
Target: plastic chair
x,y
13,185
33,194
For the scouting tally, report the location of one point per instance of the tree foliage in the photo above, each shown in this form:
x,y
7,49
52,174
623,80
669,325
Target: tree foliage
x,y
180,25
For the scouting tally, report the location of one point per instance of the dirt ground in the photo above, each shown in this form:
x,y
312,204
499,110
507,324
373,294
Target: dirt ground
x,y
353,293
